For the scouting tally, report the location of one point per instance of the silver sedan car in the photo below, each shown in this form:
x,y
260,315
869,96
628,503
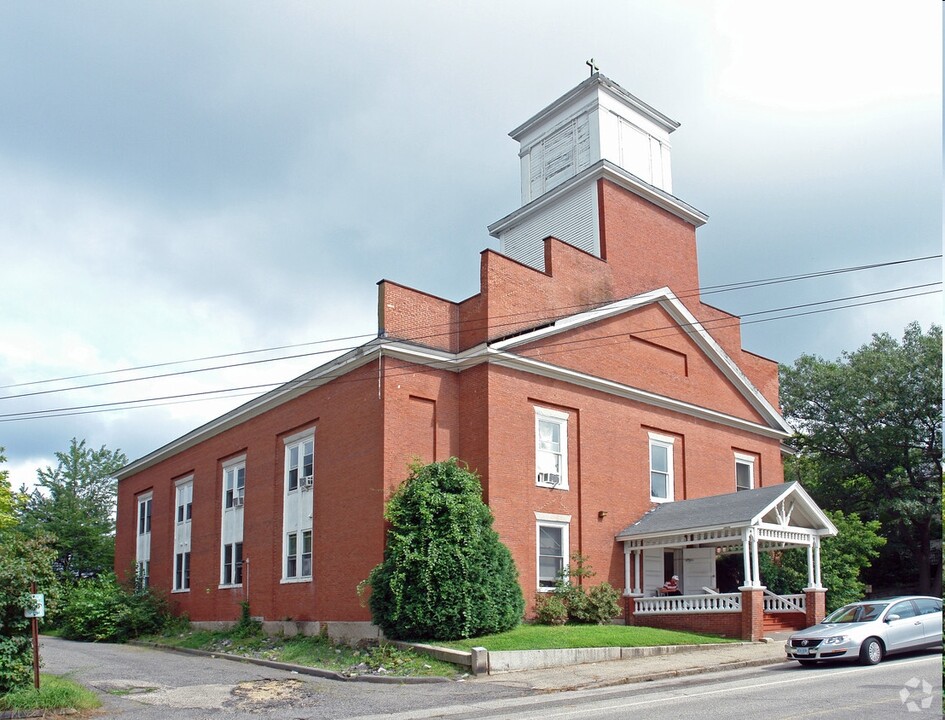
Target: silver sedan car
x,y
869,630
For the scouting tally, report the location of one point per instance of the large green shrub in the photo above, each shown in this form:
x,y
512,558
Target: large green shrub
x,y
22,561
445,574
100,610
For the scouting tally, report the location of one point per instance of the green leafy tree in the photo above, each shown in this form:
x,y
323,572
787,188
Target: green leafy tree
x,y
842,560
870,442
445,574
7,518
22,561
75,503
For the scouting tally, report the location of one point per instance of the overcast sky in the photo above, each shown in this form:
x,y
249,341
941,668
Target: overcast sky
x,y
180,179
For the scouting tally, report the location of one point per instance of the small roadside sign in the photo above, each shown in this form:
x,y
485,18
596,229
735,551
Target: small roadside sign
x,y
39,606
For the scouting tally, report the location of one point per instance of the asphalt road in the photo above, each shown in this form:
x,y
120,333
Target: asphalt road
x,y
143,683
138,682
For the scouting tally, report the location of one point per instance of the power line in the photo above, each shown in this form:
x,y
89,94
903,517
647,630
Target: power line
x,y
227,366
432,365
522,316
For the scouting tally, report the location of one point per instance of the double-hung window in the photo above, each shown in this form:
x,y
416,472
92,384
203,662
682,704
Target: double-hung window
x,y
661,468
298,559
551,541
143,545
298,507
182,526
234,485
744,471
551,448
233,564
300,464
231,531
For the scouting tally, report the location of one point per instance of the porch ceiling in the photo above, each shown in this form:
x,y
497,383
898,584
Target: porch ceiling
x,y
778,515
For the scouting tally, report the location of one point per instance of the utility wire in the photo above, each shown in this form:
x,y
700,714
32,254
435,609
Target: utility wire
x,y
706,290
423,366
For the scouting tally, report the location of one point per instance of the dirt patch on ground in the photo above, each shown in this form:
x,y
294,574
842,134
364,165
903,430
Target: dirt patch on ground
x,y
269,694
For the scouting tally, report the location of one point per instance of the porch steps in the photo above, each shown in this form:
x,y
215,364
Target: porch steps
x,y
777,622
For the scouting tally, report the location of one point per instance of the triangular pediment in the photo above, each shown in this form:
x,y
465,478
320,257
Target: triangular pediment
x,y
653,343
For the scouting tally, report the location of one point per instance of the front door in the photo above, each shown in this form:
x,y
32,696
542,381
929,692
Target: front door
x,y
698,570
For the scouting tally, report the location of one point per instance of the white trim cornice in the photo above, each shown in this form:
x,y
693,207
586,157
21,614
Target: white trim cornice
x,y
688,323
500,353
608,171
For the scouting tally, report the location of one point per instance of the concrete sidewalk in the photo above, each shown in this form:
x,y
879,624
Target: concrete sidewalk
x,y
644,669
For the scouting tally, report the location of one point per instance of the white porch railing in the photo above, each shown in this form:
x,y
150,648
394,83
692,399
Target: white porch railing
x,y
784,603
681,604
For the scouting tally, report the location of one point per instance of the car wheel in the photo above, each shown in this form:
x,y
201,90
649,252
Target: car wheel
x,y
871,651
807,662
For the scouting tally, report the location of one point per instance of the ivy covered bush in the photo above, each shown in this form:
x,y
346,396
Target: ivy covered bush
x,y
22,561
101,610
445,574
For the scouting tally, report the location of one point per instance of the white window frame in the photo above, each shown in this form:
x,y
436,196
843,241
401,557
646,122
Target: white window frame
x,y
560,420
557,522
295,482
749,461
183,520
300,557
234,483
298,507
235,566
231,528
145,505
667,442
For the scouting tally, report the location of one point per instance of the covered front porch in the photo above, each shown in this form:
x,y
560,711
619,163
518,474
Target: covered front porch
x,y
689,537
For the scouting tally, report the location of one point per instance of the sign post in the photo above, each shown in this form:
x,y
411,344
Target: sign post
x,y
37,611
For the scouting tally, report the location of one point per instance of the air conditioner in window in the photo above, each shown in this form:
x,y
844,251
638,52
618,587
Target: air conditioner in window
x,y
238,501
306,483
552,479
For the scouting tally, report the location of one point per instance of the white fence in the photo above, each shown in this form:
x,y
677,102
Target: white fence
x,y
680,604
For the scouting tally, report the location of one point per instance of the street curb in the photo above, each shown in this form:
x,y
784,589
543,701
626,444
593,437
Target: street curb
x,y
17,714
299,669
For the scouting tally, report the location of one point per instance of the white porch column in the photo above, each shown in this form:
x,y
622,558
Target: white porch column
x,y
810,564
626,570
817,580
637,582
756,573
746,557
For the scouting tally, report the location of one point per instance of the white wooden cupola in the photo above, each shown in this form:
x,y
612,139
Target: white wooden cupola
x,y
598,129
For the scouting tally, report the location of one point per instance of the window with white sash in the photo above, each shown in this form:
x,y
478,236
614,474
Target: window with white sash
x,y
231,530
182,531
551,448
661,468
298,507
143,544
552,548
744,471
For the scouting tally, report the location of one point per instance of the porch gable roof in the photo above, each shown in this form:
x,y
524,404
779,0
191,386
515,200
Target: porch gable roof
x,y
785,505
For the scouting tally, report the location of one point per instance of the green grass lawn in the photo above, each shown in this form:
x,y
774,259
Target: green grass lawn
x,y
55,693
547,637
321,652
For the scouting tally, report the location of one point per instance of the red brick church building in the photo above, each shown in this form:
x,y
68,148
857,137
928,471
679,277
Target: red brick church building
x,y
606,408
